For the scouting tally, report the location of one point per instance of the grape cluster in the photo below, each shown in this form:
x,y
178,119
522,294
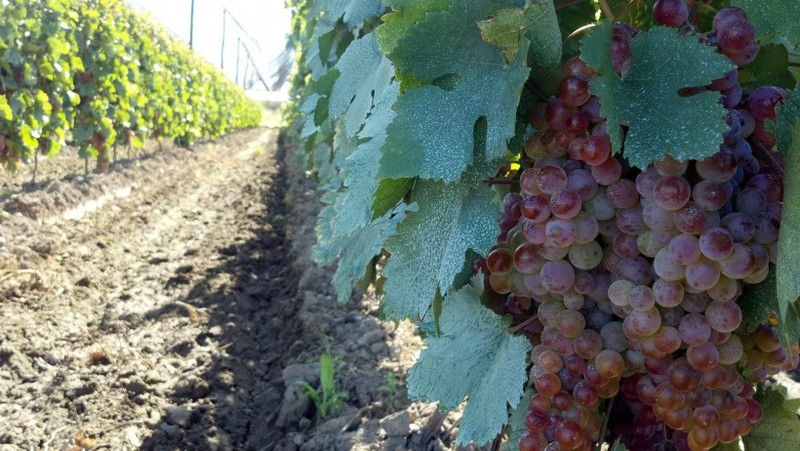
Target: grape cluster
x,y
627,280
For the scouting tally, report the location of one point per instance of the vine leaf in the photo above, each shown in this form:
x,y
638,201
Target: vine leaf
x,y
361,247
361,168
364,74
760,301
508,27
772,19
660,122
431,136
770,68
788,283
783,129
733,446
516,423
354,12
5,110
779,429
429,249
405,13
488,369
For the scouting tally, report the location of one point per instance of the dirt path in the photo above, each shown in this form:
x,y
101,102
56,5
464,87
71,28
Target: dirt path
x,y
172,305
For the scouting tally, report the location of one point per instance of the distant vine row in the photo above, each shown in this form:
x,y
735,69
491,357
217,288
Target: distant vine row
x,y
96,74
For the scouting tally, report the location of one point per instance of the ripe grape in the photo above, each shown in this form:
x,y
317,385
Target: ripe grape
x,y
627,281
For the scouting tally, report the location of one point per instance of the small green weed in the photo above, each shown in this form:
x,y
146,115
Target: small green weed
x,y
328,399
391,387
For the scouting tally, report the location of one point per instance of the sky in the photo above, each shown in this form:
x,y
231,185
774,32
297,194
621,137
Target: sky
x,y
265,21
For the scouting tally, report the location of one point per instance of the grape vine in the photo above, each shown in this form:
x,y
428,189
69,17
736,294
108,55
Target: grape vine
x,y
640,187
94,73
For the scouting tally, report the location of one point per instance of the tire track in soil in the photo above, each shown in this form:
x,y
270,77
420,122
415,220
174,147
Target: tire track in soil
x,y
163,316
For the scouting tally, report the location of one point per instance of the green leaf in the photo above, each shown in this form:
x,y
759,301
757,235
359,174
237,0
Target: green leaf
x,y
428,251
364,74
389,193
779,430
660,122
638,13
618,446
572,17
29,141
773,18
516,423
404,14
508,27
431,136
361,247
355,12
788,267
488,367
5,110
361,168
783,129
760,301
326,373
770,68
733,446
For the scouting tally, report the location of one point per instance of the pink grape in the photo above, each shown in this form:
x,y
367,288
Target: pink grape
x,y
684,249
582,182
557,276
535,208
565,204
574,91
672,193
623,194
716,243
551,179
672,13
607,172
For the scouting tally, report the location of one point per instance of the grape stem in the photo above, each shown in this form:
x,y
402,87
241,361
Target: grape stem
x,y
606,10
491,182
566,3
605,423
535,89
772,161
522,325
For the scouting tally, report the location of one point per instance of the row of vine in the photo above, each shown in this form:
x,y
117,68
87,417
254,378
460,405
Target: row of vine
x,y
95,73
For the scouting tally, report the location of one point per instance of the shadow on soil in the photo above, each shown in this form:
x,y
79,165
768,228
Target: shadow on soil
x,y
252,319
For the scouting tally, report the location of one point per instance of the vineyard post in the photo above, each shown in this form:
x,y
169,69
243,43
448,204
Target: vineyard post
x,y
191,27
222,50
238,47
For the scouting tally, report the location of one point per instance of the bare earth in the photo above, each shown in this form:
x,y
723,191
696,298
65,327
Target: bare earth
x,y
172,305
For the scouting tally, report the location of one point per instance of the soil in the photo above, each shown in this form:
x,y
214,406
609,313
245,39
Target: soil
x,y
172,304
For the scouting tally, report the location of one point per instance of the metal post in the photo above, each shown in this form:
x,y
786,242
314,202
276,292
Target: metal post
x,y
222,52
238,46
191,27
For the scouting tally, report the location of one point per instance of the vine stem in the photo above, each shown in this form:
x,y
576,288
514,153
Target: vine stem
x,y
566,4
580,30
605,423
606,9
